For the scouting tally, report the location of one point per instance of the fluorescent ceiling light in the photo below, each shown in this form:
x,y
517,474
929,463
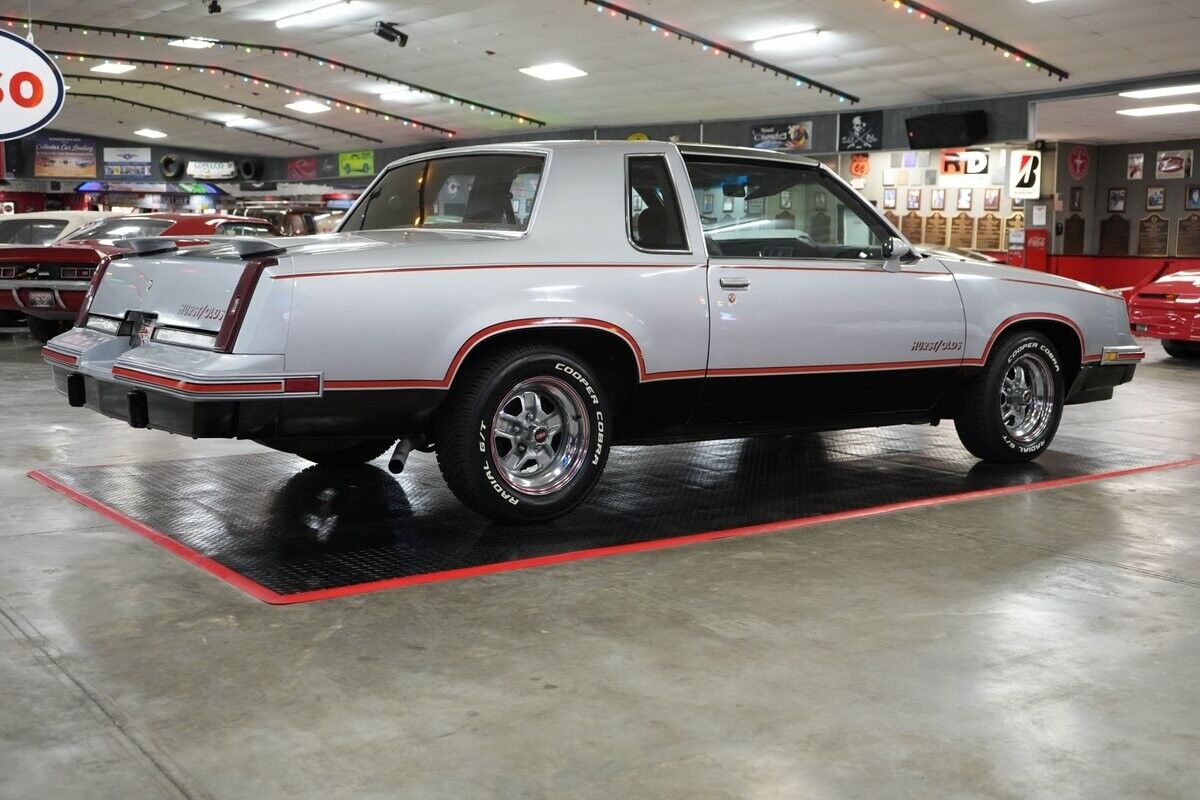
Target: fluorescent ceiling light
x,y
240,122
1155,111
193,43
307,106
109,68
555,71
1039,1
149,133
786,41
404,96
1162,91
315,13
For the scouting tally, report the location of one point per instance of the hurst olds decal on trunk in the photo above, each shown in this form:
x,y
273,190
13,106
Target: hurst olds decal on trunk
x,y
201,312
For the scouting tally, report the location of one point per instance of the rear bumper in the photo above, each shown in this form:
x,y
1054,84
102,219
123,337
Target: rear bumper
x,y
1165,323
204,415
44,299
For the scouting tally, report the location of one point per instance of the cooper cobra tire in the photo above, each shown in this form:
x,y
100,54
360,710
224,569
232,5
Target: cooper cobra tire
x,y
46,329
524,434
350,453
1188,350
1013,406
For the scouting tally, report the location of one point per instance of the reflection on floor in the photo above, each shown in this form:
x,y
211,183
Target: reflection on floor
x,y
300,531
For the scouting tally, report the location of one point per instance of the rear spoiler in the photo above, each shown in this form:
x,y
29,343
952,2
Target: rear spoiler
x,y
243,248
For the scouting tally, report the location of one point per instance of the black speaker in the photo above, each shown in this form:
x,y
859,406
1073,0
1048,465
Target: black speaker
x,y
946,130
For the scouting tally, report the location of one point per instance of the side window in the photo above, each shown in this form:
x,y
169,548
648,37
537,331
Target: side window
x,y
655,222
767,210
395,202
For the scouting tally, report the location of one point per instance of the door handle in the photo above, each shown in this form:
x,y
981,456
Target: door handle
x,y
737,284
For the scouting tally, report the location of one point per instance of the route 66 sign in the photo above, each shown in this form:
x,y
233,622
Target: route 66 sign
x,y
31,87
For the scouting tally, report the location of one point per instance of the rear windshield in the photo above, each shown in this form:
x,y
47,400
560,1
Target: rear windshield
x,y
30,231
121,228
481,192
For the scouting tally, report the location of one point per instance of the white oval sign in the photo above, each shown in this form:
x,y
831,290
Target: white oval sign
x,y
31,87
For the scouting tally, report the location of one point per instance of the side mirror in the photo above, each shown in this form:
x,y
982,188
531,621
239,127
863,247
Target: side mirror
x,y
895,250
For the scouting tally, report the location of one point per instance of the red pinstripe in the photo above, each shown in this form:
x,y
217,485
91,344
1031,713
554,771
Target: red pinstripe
x,y
62,358
392,270
180,385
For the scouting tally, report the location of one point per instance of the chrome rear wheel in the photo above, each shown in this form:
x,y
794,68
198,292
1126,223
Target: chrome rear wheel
x,y
1027,398
539,435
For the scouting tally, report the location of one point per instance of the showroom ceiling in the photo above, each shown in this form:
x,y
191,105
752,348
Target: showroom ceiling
x,y
867,48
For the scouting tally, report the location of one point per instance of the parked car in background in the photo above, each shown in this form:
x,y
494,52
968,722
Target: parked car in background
x,y
1168,308
46,284
571,299
291,221
46,227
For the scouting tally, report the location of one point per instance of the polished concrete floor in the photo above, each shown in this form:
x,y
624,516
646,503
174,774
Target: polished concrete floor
x,y
1042,645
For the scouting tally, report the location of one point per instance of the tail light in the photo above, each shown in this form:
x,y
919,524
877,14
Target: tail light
x,y
236,312
97,276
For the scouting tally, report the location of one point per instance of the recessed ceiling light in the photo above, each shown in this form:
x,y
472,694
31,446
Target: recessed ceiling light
x,y
109,68
150,133
1162,91
316,13
555,71
404,96
307,106
193,43
1155,111
786,41
240,122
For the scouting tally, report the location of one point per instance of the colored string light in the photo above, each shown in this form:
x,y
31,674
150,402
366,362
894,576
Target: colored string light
x,y
707,45
1006,50
392,84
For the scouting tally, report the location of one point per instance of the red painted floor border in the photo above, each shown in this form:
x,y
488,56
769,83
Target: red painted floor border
x,y
261,592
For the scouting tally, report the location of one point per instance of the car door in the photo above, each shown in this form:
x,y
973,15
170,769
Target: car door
x,y
809,324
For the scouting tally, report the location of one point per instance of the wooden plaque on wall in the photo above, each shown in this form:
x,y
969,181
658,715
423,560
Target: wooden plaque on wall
x,y
892,218
1114,236
989,233
962,231
935,230
912,225
1188,244
1153,235
1016,222
1073,239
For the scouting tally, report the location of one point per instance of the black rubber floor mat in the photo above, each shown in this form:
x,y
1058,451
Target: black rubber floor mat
x,y
286,531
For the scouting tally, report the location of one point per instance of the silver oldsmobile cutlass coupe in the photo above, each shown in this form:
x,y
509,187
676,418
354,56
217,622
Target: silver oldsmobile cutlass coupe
x,y
522,308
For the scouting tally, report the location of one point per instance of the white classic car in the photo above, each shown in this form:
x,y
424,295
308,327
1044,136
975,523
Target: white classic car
x,y
522,308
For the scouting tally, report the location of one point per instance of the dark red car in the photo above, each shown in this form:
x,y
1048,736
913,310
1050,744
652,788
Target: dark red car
x,y
47,284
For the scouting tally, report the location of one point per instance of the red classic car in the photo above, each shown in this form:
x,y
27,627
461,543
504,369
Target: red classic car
x,y
1168,308
47,283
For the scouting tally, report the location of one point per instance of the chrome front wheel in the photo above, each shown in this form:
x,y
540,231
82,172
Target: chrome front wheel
x,y
539,435
1027,398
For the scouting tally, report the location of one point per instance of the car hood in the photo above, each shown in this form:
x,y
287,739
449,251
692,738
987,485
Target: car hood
x,y
984,269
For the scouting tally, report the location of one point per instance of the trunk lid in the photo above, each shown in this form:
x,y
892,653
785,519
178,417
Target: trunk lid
x,y
185,289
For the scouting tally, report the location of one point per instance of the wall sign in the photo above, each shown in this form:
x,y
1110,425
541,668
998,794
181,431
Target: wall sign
x,y
860,131
965,162
1172,164
127,162
31,87
359,162
1025,171
211,170
1078,162
302,169
64,157
783,136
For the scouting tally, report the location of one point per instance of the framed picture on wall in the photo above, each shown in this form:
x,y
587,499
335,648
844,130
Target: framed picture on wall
x,y
727,206
1076,201
913,201
889,198
1191,201
1156,198
708,204
1017,202
966,198
785,199
819,200
937,200
1136,167
991,199
1116,201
